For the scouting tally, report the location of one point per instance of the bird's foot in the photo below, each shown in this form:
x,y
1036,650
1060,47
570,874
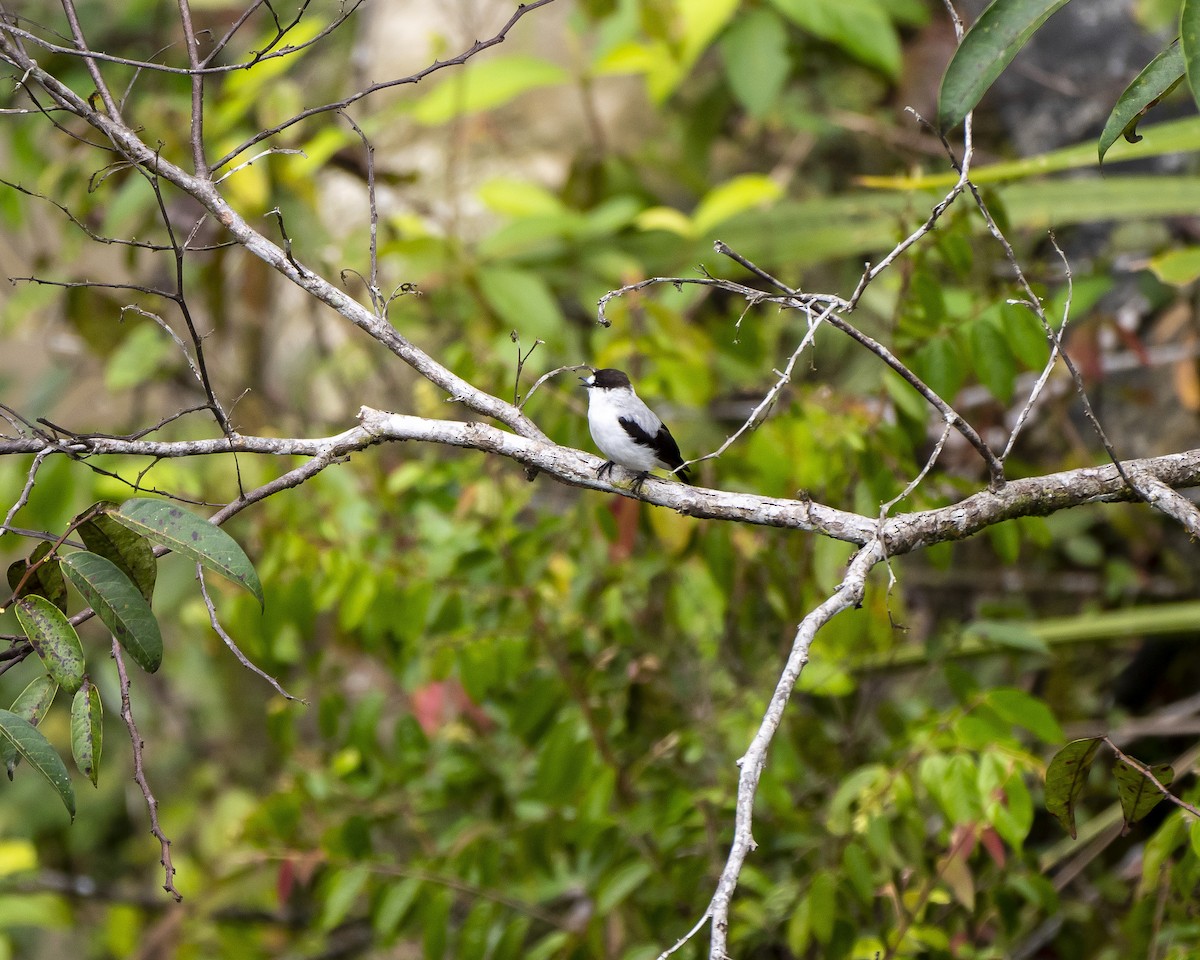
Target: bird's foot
x,y
638,480
605,469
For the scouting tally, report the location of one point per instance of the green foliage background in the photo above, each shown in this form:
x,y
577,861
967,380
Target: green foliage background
x,y
526,702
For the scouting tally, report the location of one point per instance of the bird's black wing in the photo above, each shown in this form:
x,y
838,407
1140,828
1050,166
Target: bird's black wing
x,y
662,443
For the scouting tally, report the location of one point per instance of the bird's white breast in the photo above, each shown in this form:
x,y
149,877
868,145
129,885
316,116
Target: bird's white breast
x,y
605,407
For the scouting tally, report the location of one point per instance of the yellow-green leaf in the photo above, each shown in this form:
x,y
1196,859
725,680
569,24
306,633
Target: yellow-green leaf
x,y
485,85
733,197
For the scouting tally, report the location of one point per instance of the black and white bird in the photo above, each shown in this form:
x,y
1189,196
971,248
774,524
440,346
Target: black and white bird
x,y
627,431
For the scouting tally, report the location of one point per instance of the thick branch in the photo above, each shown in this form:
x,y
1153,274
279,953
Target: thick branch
x,y
903,533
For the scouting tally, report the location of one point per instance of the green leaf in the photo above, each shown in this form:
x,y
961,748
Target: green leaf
x,y
1138,794
1004,633
108,538
860,27
54,639
1158,79
986,49
395,903
37,752
46,581
616,886
87,731
520,198
856,867
940,364
145,354
1023,710
1179,266
31,704
755,54
486,84
172,526
992,359
822,906
1065,778
119,605
1189,43
523,301
345,889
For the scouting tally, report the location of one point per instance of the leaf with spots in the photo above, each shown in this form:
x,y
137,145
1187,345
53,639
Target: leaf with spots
x,y
1065,778
46,580
87,731
1138,793
54,640
37,752
183,532
132,553
31,704
120,605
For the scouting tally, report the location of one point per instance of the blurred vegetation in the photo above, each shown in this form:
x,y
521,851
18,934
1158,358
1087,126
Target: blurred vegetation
x,y
526,702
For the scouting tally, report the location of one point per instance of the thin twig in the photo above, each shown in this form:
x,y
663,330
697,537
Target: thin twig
x,y
521,361
1052,361
30,479
199,163
549,376
229,641
139,775
373,283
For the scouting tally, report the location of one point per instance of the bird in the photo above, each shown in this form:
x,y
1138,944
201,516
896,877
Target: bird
x,y
627,431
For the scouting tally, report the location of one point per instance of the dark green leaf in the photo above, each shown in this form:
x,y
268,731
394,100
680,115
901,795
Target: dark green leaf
x,y
986,49
37,752
87,732
615,886
184,532
1138,794
31,704
940,364
1151,85
822,899
108,538
120,605
435,921
992,359
46,580
1065,778
54,639
1189,43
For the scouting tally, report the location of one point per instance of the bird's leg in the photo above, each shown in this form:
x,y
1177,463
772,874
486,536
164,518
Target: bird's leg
x,y
605,469
638,480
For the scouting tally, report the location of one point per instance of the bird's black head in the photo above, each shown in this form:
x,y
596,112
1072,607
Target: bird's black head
x,y
607,379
